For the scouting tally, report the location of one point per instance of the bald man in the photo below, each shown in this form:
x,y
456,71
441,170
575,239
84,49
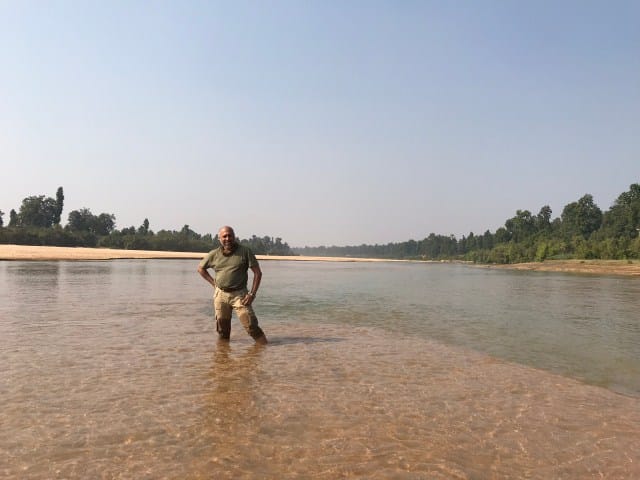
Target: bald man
x,y
231,262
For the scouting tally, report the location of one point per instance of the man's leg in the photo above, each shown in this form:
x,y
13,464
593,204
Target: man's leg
x,y
249,321
223,315
223,327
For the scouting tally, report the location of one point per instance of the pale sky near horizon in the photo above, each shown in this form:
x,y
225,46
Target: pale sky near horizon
x,y
320,122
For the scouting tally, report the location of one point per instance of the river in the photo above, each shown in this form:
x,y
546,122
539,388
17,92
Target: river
x,y
374,370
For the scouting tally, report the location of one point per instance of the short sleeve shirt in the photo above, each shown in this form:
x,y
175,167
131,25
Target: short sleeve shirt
x,y
230,270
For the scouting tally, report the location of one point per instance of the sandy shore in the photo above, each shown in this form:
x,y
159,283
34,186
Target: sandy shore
x,y
597,267
27,252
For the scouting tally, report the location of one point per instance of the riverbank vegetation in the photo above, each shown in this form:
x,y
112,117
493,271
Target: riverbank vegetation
x,y
38,223
582,231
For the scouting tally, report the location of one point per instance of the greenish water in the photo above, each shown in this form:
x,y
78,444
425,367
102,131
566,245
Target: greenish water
x,y
380,370
585,327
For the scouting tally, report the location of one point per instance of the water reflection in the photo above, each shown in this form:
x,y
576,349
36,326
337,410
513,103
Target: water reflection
x,y
35,277
235,379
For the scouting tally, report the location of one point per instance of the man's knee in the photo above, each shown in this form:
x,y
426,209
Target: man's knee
x,y
223,327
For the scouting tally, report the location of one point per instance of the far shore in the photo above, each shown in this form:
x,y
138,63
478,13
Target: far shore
x,y
39,253
29,252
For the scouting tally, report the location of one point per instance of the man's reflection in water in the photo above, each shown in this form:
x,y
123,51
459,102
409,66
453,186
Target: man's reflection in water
x,y
234,375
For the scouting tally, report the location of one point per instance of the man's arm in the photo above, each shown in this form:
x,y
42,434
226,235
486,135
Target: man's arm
x,y
204,273
257,277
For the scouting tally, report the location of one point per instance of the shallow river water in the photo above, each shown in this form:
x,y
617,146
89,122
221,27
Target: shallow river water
x,y
374,370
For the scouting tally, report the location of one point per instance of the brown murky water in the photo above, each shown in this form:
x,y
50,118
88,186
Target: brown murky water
x,y
111,370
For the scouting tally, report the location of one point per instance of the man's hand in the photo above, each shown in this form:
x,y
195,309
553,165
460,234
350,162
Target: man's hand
x,y
247,300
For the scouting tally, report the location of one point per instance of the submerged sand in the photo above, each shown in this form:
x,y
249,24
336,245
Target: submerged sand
x,y
29,252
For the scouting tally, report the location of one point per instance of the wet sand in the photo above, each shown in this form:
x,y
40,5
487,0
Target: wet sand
x,y
29,252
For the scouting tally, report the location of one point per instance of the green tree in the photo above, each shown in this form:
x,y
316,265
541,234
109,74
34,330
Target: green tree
x,y
623,218
144,228
487,240
521,226
1,221
634,247
80,220
581,247
542,251
37,211
581,218
59,206
13,218
543,220
84,221
189,234
502,235
104,224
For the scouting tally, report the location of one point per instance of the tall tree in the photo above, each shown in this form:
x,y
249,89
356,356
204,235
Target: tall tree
x,y
186,232
623,218
59,206
13,218
144,228
521,226
581,218
543,219
487,240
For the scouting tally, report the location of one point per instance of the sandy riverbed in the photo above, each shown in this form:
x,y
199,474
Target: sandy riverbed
x,y
28,252
598,267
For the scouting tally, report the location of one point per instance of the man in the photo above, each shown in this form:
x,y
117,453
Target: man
x,y
231,262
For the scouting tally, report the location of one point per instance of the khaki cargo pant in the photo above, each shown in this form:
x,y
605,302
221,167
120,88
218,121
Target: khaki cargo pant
x,y
224,303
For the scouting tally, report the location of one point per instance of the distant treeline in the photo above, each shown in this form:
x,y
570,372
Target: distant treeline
x,y
582,231
38,223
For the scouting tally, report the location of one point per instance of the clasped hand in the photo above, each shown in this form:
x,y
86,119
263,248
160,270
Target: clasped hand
x,y
247,300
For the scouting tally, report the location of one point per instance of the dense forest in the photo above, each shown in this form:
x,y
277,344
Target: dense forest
x,y
37,222
583,231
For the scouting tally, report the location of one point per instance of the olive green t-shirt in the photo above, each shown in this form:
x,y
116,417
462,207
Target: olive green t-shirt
x,y
230,270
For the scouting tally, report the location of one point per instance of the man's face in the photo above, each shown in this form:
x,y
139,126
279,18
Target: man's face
x,y
227,238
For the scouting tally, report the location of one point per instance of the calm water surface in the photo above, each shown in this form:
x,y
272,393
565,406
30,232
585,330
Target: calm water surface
x,y
393,370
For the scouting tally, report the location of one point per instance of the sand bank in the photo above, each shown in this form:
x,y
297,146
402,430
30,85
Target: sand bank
x,y
597,267
28,252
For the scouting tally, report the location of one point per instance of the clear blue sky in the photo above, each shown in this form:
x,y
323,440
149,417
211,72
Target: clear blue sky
x,y
321,122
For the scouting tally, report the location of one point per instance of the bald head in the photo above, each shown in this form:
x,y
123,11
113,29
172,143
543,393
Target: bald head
x,y
227,238
226,229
